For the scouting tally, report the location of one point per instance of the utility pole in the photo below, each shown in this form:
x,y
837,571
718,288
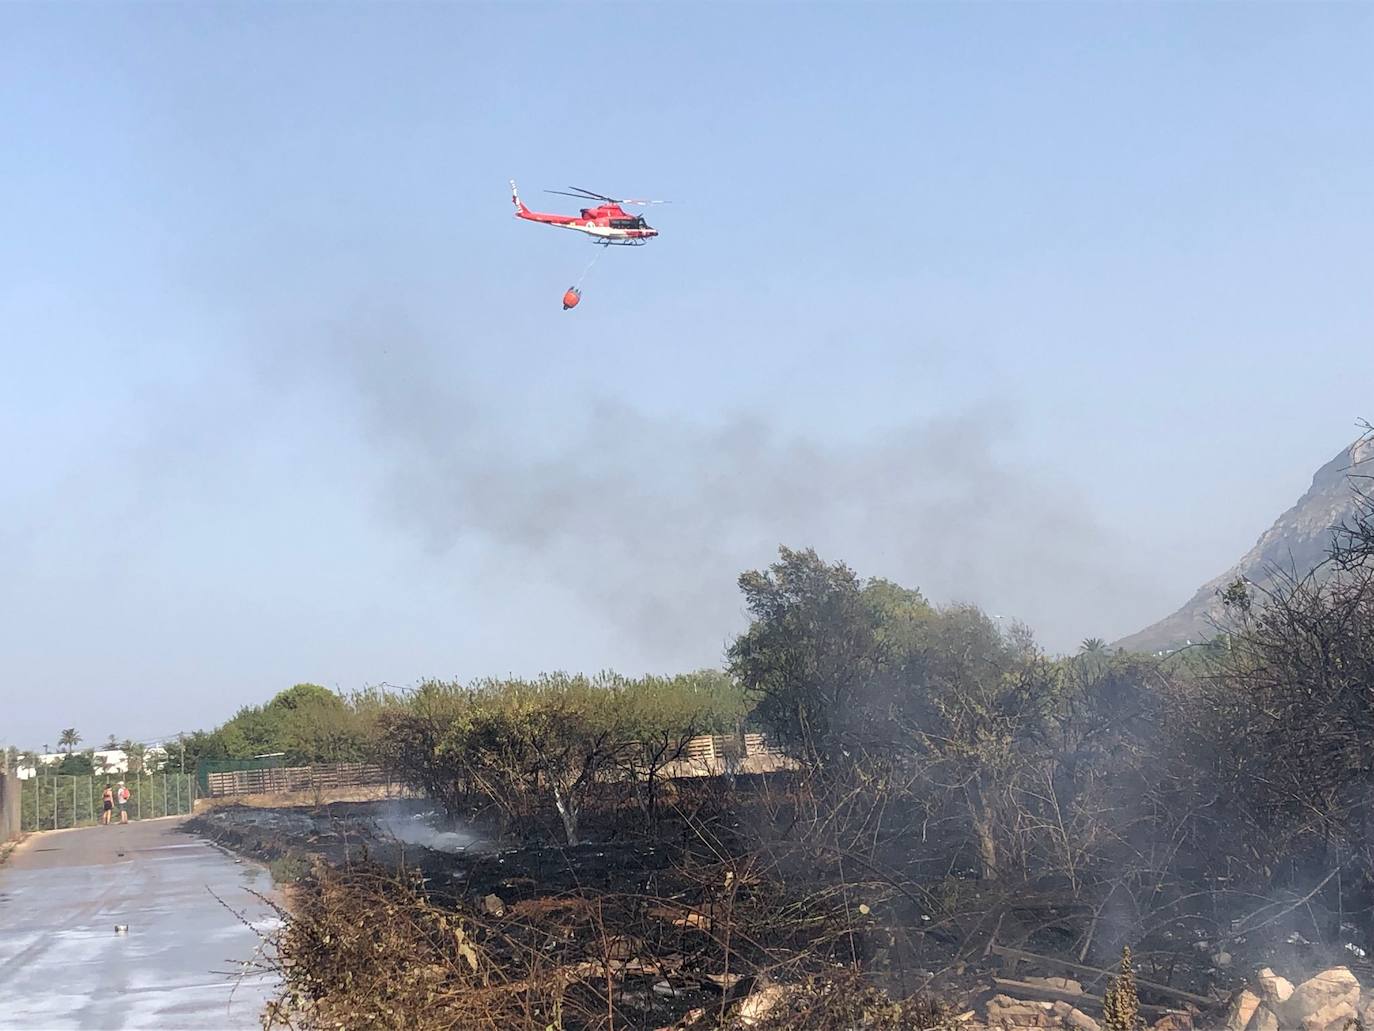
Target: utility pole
x,y
182,741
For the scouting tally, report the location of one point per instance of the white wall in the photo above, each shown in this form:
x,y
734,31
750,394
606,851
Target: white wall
x,y
106,760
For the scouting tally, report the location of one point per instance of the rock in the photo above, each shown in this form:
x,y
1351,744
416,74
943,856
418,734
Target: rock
x,y
1265,1020
1006,1012
760,1005
1323,996
493,905
1242,1011
1073,1018
1331,1017
1061,984
1173,1022
1273,989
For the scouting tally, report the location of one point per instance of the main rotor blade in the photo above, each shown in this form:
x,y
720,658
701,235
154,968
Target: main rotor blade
x,y
582,194
579,196
593,193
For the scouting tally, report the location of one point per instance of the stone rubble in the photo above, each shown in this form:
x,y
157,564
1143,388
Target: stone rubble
x,y
1332,1000
1329,1001
1273,989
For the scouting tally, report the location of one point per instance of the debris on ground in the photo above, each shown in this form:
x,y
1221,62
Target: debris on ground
x,y
493,905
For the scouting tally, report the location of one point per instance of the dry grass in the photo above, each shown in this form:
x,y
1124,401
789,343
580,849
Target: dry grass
x,y
363,946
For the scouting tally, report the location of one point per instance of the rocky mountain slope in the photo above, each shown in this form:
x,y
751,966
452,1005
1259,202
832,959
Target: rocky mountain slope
x,y
1298,540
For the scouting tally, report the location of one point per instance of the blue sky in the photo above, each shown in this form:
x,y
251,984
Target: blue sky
x,y
1052,308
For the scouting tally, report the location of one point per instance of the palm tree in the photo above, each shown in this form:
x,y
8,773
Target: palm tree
x,y
1093,646
134,751
69,739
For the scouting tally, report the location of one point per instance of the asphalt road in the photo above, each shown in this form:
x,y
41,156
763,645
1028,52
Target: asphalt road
x,y
181,963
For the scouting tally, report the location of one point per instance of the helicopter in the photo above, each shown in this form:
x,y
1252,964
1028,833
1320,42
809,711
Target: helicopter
x,y
606,223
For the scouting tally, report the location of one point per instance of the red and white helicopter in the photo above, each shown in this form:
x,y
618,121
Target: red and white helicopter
x,y
607,223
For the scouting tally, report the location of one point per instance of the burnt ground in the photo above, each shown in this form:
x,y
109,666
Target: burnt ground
x,y
533,883
919,945
350,832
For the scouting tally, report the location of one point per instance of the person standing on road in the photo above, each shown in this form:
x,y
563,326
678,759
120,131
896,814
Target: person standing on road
x,y
122,797
106,804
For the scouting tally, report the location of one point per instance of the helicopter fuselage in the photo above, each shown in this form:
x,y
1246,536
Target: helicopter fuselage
x,y
605,223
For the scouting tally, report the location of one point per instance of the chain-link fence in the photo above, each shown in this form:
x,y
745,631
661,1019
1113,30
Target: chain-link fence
x,y
52,802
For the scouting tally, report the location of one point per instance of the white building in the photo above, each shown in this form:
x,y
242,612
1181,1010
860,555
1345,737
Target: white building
x,y
46,759
106,761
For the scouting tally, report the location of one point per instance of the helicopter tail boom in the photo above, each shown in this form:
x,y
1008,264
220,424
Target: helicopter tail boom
x,y
520,208
522,211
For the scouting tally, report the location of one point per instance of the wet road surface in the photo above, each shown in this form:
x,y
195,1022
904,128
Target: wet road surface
x,y
62,965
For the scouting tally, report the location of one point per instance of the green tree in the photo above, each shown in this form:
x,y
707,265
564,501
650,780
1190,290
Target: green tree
x,y
526,744
318,728
302,695
252,731
412,739
79,764
556,733
69,739
852,673
134,750
809,652
205,744
306,722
